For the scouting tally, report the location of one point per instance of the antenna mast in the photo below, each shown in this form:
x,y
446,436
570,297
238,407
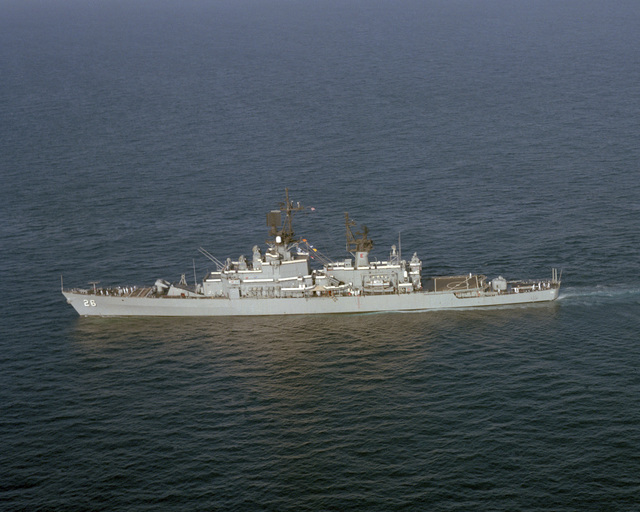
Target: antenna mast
x,y
195,278
361,244
284,232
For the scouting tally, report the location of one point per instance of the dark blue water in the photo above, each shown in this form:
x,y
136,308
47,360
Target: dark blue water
x,y
497,136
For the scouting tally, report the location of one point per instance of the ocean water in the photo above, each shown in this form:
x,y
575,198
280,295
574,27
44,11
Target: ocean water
x,y
495,136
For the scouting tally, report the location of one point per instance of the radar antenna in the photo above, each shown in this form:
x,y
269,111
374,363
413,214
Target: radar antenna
x,y
282,230
361,244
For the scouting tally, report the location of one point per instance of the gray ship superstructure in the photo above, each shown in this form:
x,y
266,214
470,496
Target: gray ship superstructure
x,y
282,282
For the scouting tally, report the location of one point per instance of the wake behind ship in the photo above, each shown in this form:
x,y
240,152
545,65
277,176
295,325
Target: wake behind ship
x,y
281,282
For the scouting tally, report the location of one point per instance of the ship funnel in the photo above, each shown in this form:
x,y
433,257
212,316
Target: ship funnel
x,y
362,259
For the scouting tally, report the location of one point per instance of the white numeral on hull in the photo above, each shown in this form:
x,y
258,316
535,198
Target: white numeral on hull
x,y
88,303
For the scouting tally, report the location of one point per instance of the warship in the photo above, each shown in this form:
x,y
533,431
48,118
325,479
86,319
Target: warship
x,y
282,282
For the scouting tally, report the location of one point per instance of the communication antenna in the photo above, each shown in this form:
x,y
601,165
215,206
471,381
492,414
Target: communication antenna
x,y
195,279
283,233
361,244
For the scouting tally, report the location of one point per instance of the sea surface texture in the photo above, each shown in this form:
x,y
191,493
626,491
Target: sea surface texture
x,y
492,136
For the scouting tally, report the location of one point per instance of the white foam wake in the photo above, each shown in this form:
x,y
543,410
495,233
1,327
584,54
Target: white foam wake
x,y
600,294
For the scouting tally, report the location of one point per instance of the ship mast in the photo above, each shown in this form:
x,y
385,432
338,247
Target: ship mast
x,y
282,230
361,244
359,247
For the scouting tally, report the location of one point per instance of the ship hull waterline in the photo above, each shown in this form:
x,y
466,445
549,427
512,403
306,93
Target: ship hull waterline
x,y
105,306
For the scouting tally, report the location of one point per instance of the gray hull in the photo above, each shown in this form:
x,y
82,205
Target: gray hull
x,y
99,305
